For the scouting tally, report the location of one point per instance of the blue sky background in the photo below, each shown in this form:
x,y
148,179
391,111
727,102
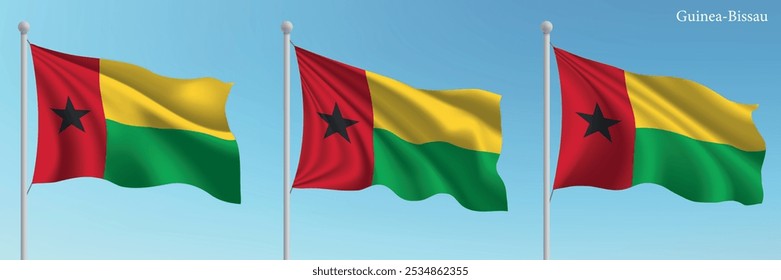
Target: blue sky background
x,y
493,45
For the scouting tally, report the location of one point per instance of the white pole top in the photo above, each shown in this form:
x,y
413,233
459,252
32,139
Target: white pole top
x,y
287,26
24,27
547,27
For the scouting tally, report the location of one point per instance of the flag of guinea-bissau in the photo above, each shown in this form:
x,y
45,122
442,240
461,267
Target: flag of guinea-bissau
x,y
363,129
621,129
112,120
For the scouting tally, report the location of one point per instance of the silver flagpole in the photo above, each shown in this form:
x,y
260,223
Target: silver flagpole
x,y
286,28
23,28
547,27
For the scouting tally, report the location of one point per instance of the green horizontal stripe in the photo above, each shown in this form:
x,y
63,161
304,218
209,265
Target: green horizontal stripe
x,y
143,157
697,170
419,171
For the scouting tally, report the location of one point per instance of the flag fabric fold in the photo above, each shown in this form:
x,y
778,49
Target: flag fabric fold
x,y
621,129
122,123
363,129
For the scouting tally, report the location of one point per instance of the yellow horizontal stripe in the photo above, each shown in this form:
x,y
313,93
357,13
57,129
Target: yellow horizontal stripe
x,y
691,109
135,96
467,118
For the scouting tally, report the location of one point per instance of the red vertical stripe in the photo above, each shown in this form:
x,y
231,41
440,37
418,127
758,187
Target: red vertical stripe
x,y
331,162
593,160
71,152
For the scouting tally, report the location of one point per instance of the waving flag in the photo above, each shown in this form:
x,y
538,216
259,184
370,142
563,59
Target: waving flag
x,y
120,122
363,129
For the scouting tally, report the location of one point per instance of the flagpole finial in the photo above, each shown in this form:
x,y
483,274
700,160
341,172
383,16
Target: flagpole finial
x,y
547,27
24,27
287,26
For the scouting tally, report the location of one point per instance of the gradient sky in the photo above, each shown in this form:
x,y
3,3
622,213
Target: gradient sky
x,y
493,45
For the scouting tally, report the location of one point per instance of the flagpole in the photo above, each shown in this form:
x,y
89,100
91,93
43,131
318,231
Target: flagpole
x,y
547,27
23,28
286,28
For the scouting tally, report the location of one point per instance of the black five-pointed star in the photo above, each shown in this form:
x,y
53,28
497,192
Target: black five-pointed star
x,y
598,122
70,116
336,123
